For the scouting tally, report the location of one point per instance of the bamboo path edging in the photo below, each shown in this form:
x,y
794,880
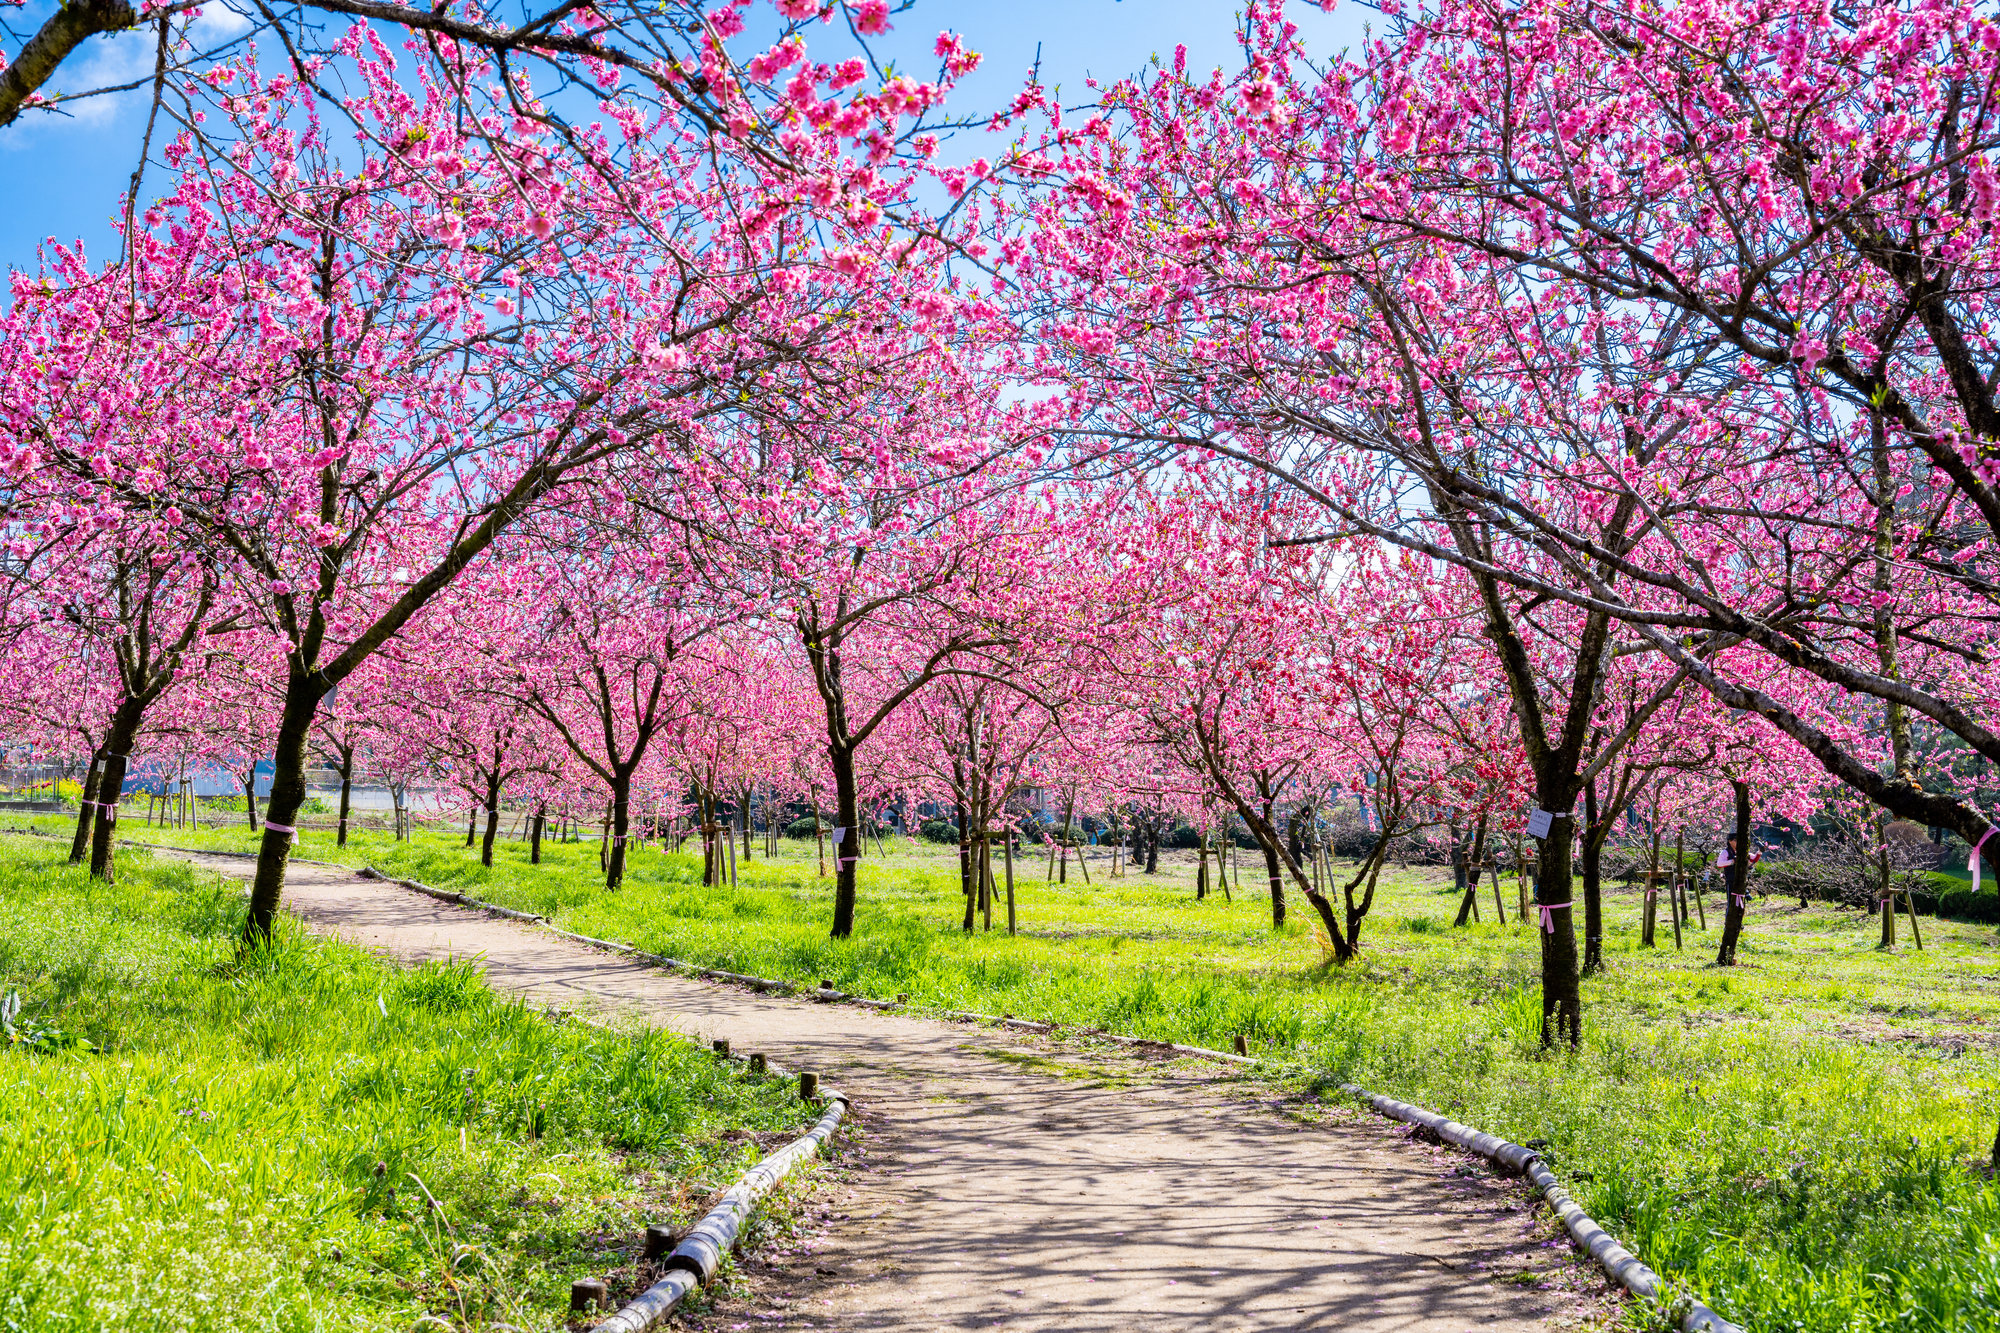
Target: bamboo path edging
x,y
695,1260
1624,1267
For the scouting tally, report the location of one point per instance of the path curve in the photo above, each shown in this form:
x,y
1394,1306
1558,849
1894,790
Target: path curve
x,y
1006,1186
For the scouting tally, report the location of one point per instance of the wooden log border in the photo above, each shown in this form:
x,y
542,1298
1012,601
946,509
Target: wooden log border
x,y
1689,1314
695,1260
1627,1269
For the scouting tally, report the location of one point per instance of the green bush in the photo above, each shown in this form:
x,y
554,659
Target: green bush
x,y
806,828
941,831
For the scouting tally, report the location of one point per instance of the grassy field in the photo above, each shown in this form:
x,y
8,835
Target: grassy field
x,y
1796,1138
306,1138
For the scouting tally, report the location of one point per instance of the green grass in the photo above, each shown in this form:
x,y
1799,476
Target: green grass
x,y
1795,1138
304,1137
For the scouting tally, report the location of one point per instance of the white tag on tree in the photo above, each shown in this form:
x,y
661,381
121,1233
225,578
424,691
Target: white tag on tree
x,y
1539,823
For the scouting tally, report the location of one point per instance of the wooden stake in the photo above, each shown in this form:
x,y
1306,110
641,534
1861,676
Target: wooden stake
x,y
819,835
986,877
1007,850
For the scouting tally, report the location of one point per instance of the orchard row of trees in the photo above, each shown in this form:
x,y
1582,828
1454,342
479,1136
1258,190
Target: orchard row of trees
x,y
1551,403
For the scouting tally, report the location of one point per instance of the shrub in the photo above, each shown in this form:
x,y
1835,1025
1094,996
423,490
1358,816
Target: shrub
x,y
806,828
941,831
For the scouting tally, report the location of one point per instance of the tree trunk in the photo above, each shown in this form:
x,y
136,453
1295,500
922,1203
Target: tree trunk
x,y
1676,899
492,820
619,823
964,856
1468,904
1555,922
846,853
1593,884
1738,884
346,792
1271,869
1069,817
111,784
1650,917
250,794
965,868
1885,901
288,794
86,809
535,822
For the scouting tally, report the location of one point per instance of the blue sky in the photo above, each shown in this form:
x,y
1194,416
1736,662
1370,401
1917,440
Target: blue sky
x,y
67,176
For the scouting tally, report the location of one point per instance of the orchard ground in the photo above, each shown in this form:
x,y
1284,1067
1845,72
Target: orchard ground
x,y
303,1136
1797,1138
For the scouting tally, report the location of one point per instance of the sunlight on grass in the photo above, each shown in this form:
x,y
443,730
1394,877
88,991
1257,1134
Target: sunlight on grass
x,y
305,1137
1794,1138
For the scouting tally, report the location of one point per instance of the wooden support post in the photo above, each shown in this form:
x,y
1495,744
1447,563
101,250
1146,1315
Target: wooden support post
x,y
819,834
1007,850
808,1086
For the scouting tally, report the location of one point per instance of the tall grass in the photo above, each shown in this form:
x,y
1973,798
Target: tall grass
x,y
1796,1138
304,1137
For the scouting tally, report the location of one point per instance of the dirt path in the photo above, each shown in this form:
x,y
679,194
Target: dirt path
x,y
1007,1185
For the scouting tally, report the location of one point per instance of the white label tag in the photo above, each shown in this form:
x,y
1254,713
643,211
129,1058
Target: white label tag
x,y
1539,823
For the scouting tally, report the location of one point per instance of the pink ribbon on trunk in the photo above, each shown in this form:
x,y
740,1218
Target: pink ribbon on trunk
x,y
1548,915
279,828
1975,856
